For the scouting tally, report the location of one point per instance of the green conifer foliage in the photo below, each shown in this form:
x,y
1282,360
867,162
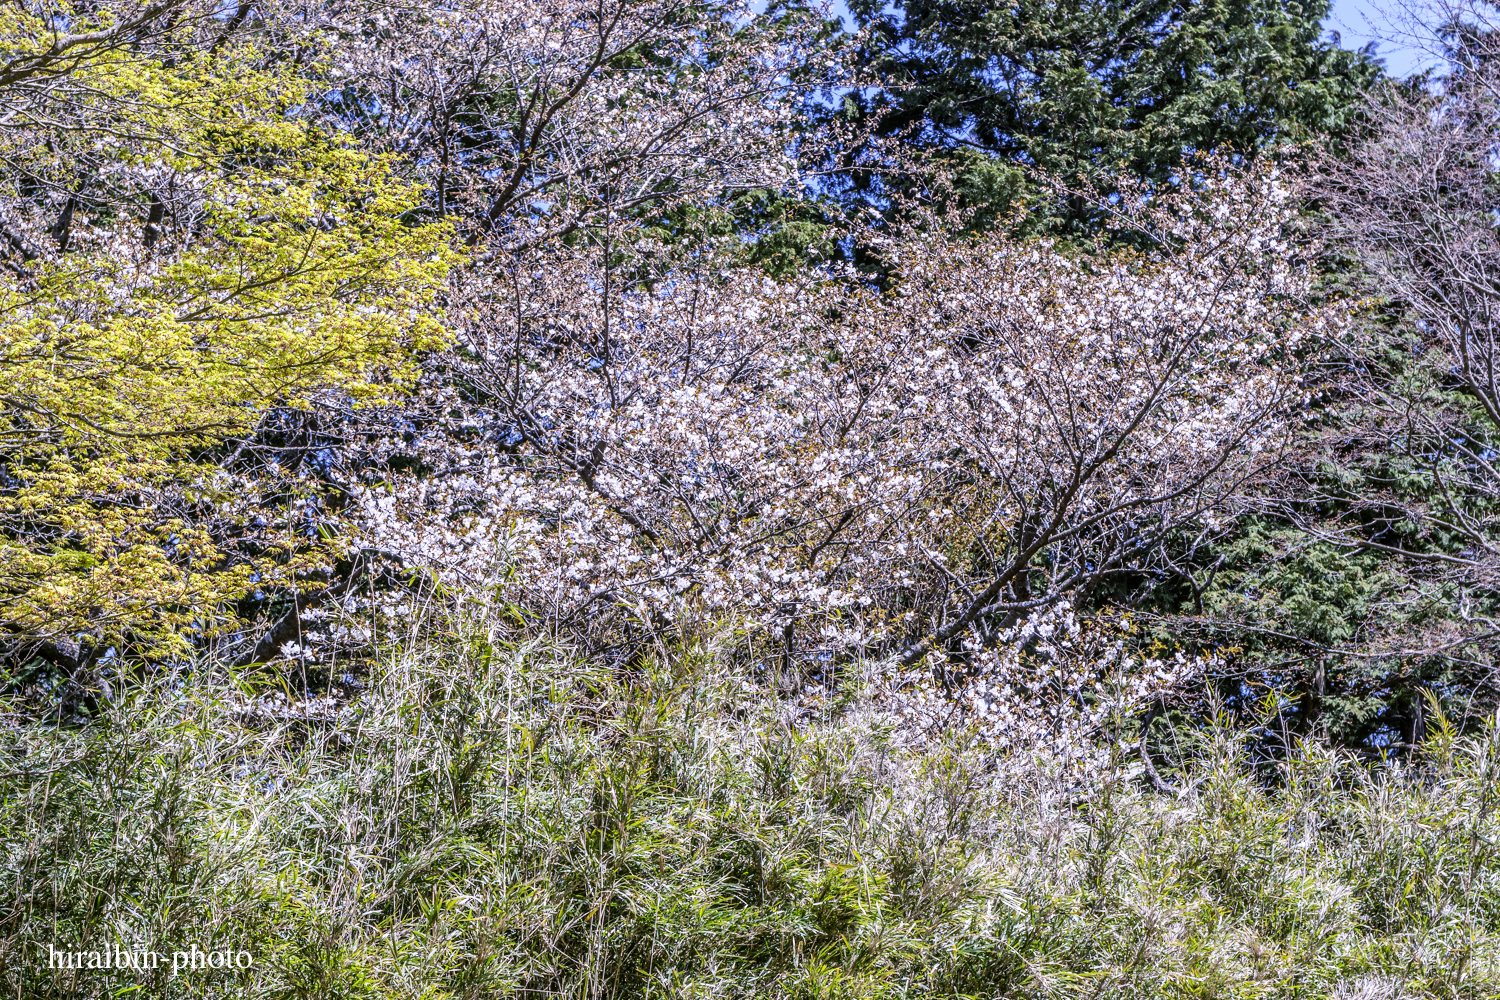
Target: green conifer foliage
x,y
1086,87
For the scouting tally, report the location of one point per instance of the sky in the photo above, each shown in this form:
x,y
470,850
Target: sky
x,y
1383,22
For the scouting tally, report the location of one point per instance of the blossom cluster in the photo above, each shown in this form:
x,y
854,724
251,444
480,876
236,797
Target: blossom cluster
x,y
1050,685
842,470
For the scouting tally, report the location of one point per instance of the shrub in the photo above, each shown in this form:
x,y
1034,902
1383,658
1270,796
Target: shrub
x,y
490,820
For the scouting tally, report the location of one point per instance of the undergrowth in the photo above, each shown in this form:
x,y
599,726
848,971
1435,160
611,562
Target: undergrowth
x,y
493,821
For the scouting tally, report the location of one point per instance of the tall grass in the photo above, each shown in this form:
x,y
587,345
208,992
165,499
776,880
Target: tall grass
x,y
489,821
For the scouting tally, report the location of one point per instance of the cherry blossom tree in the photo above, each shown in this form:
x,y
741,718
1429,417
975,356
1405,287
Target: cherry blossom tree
x,y
848,472
528,122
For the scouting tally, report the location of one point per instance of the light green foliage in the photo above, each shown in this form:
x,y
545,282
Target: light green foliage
x,y
487,822
275,267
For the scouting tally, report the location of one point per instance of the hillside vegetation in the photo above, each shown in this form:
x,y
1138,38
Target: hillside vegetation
x,y
658,498
494,820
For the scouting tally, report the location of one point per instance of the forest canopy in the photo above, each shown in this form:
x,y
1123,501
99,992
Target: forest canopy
x,y
1087,379
303,301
